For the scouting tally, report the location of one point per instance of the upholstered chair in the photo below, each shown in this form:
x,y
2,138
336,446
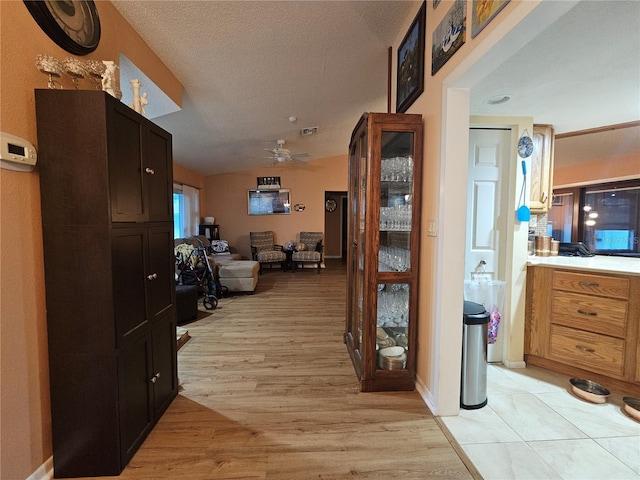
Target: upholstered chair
x,y
309,250
264,249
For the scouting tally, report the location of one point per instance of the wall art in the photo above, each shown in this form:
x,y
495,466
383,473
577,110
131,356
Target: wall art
x,y
410,71
483,12
449,36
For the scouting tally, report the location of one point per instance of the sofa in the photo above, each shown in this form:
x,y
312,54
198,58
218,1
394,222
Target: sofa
x,y
229,269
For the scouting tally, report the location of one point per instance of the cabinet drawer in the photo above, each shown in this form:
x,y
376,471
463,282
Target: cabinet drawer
x,y
591,351
586,312
605,286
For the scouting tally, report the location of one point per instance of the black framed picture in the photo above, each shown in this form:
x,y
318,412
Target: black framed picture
x,y
410,72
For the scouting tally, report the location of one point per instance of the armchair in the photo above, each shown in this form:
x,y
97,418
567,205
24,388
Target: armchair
x,y
312,252
264,250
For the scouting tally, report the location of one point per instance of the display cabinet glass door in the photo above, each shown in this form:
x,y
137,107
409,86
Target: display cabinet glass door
x,y
394,248
358,177
396,202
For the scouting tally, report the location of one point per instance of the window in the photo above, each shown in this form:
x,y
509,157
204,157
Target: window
x,y
186,210
606,217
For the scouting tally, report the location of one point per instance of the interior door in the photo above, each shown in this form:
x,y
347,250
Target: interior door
x,y
489,149
487,213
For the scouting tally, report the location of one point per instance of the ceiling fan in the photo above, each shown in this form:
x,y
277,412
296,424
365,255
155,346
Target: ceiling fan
x,y
284,155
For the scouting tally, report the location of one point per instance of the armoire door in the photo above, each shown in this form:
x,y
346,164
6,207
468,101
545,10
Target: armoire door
x,y
157,175
160,271
165,385
135,396
129,250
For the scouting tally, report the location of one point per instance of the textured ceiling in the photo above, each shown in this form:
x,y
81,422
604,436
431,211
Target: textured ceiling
x,y
247,66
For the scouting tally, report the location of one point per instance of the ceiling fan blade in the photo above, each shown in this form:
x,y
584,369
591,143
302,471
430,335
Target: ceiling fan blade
x,y
299,162
299,155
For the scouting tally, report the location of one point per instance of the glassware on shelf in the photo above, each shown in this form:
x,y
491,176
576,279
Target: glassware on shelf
x,y
52,67
397,169
393,306
393,259
397,218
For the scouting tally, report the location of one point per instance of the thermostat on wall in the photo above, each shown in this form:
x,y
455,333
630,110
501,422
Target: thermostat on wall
x,y
17,153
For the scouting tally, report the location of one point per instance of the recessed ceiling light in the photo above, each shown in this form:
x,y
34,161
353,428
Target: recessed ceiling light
x,y
498,99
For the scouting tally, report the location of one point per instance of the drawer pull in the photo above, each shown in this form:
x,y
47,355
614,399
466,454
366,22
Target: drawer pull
x,y
589,284
590,314
585,349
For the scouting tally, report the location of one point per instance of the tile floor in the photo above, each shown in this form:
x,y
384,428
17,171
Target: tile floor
x,y
534,428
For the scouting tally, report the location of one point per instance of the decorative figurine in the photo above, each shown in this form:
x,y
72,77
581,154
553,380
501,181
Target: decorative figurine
x,y
109,83
50,66
139,101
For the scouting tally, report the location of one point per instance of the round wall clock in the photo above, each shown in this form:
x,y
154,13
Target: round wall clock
x,y
73,24
331,205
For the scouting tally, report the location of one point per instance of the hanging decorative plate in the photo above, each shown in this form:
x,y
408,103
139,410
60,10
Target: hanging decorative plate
x,y
525,145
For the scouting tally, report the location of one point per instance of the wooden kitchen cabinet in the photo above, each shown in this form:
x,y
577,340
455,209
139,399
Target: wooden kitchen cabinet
x,y
385,168
584,324
107,221
541,169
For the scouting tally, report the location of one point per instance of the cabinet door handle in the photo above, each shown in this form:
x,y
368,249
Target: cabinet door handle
x,y
153,276
588,284
585,349
155,378
543,197
590,314
150,171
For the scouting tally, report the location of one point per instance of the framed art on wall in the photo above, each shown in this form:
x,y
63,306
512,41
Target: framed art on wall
x,y
448,36
483,12
410,71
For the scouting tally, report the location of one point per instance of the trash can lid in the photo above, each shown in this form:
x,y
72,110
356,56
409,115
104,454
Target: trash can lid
x,y
472,308
474,313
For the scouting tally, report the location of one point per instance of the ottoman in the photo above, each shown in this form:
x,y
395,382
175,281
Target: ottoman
x,y
186,303
239,276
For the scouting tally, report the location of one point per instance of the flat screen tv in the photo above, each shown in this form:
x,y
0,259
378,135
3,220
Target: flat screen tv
x,y
269,202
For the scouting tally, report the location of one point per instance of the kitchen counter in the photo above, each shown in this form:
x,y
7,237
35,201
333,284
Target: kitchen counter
x,y
599,263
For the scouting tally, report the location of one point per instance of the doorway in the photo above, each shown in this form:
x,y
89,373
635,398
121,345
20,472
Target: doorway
x,y
335,224
486,237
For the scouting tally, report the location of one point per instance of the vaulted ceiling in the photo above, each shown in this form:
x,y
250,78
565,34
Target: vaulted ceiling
x,y
248,66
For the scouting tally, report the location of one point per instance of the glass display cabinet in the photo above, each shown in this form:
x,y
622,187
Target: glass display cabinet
x,y
385,167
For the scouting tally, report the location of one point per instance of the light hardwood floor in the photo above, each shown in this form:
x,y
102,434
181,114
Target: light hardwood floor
x,y
268,392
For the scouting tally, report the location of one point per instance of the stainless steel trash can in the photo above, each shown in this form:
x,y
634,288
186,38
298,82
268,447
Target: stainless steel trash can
x,y
473,390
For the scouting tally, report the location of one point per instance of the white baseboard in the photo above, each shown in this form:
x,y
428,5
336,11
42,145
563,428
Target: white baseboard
x,y
519,364
44,471
424,392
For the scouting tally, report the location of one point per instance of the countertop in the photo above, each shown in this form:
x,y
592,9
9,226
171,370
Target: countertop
x,y
599,263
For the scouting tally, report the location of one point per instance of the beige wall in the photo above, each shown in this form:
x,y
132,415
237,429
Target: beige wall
x,y
227,200
445,109
25,419
599,171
